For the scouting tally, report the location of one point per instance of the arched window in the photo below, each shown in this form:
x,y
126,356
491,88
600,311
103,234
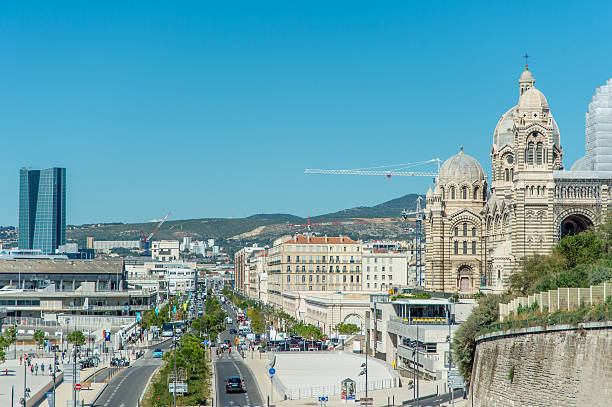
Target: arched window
x,y
476,193
473,231
474,247
530,152
456,231
507,175
456,248
539,148
452,192
463,192
465,247
511,174
465,229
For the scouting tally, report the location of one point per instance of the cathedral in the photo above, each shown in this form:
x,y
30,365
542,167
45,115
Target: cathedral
x,y
477,234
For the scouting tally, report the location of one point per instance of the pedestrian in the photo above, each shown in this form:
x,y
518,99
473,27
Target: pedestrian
x,y
36,367
20,359
32,369
42,368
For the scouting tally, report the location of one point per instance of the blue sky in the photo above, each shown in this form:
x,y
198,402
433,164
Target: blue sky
x,y
215,109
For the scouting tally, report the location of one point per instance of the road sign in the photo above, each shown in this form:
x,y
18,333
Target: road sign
x,y
366,401
272,371
180,387
78,387
454,380
323,398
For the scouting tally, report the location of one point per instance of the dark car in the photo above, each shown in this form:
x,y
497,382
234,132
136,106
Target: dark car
x,y
233,331
234,384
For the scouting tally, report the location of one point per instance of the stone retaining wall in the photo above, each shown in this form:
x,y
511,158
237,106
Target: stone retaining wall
x,y
561,365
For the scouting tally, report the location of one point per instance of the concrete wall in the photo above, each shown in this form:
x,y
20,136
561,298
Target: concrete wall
x,y
544,366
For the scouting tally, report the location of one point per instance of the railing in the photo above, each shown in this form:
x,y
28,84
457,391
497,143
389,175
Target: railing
x,y
420,320
296,393
561,299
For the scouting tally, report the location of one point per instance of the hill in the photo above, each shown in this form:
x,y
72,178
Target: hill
x,y
262,228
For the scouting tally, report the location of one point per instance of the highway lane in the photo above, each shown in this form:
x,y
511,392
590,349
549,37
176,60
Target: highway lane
x,y
437,400
227,365
125,387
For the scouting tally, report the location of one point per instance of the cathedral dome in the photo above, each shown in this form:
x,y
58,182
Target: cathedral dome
x,y
461,167
532,99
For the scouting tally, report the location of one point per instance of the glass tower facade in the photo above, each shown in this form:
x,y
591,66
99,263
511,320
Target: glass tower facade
x,y
42,209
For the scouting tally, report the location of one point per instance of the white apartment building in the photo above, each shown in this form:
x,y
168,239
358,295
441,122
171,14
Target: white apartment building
x,y
384,269
181,280
241,269
165,250
256,267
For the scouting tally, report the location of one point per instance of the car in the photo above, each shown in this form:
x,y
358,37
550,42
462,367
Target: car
x,y
158,353
233,331
234,384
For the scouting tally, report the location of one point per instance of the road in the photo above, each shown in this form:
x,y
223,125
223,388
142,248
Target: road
x,y
125,387
437,400
232,365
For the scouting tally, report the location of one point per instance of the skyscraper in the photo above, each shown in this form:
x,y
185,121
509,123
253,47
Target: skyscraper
x,y
42,209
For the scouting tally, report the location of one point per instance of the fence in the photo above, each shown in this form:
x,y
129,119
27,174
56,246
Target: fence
x,y
296,393
561,299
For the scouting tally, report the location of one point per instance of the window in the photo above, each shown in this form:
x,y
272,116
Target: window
x,y
456,247
288,279
310,279
383,268
475,193
368,285
539,148
375,285
288,269
357,278
382,277
456,231
452,192
529,153
463,192
288,259
473,231
323,278
507,175
351,279
357,270
390,276
465,247
303,269
303,279
344,279
375,277
367,276
465,229
474,247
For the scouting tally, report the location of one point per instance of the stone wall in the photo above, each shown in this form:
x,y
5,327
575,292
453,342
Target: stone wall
x,y
544,366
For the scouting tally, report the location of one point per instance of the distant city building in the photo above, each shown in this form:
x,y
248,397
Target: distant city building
x,y
90,242
42,209
107,245
165,250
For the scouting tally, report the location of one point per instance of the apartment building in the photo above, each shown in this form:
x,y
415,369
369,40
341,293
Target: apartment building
x,y
256,270
241,277
165,250
386,269
313,263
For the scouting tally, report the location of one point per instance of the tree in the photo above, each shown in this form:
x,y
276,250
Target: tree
x,y
39,337
76,338
8,338
347,329
464,345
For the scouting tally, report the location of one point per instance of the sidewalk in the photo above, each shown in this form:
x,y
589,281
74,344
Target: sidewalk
x,y
383,397
15,379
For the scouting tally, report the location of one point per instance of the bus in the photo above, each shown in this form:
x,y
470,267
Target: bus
x,y
167,330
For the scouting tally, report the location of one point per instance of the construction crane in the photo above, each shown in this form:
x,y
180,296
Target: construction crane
x,y
419,215
386,170
145,240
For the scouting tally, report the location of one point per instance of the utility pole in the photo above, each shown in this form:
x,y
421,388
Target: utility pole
x,y
450,357
174,341
74,351
25,377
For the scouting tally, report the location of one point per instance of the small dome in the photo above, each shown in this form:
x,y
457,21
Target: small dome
x,y
461,167
583,164
526,76
532,99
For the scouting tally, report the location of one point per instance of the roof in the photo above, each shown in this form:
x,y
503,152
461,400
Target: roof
x,y
300,239
461,167
61,267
